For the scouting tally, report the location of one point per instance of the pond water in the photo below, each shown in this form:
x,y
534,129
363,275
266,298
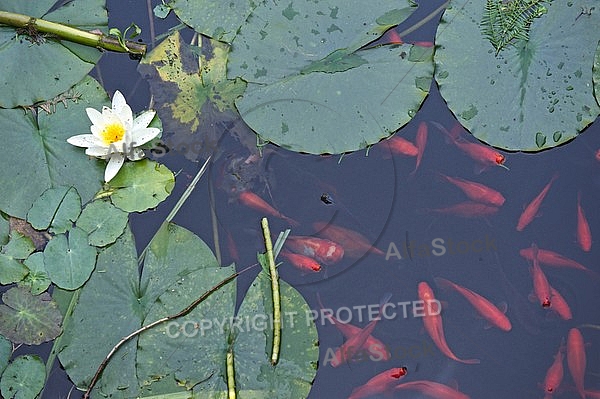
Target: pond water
x,y
376,195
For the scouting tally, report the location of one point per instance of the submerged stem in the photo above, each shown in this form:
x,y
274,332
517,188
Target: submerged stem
x,y
274,291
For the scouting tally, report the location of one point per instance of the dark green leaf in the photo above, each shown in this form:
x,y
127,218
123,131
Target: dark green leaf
x,y
103,222
57,208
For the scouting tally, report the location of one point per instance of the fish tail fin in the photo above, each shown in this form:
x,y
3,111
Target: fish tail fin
x,y
442,283
385,299
469,361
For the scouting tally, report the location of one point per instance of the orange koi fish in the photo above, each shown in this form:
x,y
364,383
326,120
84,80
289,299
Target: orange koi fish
x,y
302,262
551,258
353,345
559,305
554,375
576,359
584,234
467,209
476,191
253,201
532,209
432,389
484,307
421,142
541,287
401,146
380,384
324,251
433,324
355,244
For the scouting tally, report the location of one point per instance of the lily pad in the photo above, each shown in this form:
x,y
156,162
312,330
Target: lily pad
x,y
5,353
11,270
178,268
23,378
36,155
19,246
596,73
103,222
69,261
192,94
36,68
311,88
57,208
141,185
29,319
4,229
37,279
293,375
535,93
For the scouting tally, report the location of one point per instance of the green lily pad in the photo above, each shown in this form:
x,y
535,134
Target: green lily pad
x,y
310,86
23,378
293,375
69,261
19,246
4,229
11,270
190,99
596,73
217,19
37,279
534,94
34,69
5,353
178,268
50,160
103,222
141,185
29,319
57,208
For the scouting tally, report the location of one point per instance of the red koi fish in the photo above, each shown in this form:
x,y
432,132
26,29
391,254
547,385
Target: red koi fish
x,y
324,251
401,146
253,201
584,234
559,305
374,347
576,359
302,262
541,287
355,245
532,209
380,384
467,209
432,389
551,258
484,307
421,142
433,324
476,191
592,393
353,345
555,374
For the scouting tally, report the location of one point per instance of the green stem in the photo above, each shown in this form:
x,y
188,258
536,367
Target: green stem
x,y
231,394
65,32
275,292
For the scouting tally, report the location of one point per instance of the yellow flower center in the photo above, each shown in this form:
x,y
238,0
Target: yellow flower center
x,y
113,133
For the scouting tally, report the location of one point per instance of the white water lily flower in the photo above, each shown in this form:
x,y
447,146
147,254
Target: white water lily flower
x,y
116,135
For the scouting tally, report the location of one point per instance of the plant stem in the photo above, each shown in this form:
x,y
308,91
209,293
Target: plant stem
x,y
275,292
71,34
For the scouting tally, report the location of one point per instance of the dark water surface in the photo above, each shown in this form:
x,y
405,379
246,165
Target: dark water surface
x,y
376,196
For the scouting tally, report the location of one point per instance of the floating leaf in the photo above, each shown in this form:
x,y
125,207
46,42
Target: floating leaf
x,y
29,319
596,73
37,279
141,185
535,88
50,161
5,353
103,222
11,270
57,208
297,366
23,378
69,261
19,246
178,268
192,94
4,228
38,68
309,87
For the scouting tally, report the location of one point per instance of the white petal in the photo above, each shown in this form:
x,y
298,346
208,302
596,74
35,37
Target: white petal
x,y
143,120
114,165
94,115
142,136
118,101
84,140
136,154
98,152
